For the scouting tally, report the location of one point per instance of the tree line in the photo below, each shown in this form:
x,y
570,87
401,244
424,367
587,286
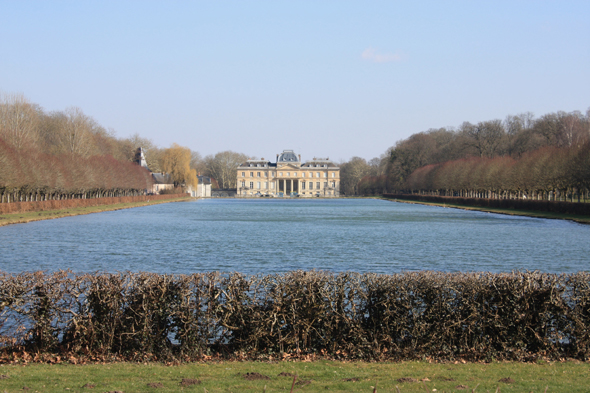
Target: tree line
x,y
549,173
518,156
62,155
67,154
30,175
28,130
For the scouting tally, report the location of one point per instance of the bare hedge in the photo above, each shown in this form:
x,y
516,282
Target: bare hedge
x,y
415,315
21,207
514,204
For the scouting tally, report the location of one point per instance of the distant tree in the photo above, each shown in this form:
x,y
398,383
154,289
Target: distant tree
x,y
351,173
19,120
573,130
485,137
223,167
176,161
197,163
579,167
74,132
548,127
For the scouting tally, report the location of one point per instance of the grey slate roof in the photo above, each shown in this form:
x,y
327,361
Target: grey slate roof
x,y
204,179
162,178
288,156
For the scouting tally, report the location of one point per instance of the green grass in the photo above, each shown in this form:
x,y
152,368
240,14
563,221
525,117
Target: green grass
x,y
511,212
19,218
323,376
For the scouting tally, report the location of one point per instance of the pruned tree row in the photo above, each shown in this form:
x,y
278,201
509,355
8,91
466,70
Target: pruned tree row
x,y
29,175
550,173
512,139
414,315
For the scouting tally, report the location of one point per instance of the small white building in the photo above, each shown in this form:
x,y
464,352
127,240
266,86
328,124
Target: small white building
x,y
203,189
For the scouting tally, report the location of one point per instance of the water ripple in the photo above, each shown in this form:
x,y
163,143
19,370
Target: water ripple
x,y
267,236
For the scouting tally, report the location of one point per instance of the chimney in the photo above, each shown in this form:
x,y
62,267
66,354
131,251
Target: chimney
x,y
299,157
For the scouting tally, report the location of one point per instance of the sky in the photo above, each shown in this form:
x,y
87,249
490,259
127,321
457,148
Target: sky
x,y
330,79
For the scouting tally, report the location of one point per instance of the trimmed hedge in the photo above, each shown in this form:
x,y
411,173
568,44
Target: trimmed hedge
x,y
140,316
21,207
514,204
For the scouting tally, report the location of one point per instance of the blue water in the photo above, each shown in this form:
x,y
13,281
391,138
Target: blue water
x,y
270,236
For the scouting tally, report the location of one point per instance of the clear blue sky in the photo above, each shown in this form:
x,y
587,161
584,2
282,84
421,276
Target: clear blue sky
x,y
326,78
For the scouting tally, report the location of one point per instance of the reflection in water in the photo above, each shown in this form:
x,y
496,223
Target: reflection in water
x,y
267,236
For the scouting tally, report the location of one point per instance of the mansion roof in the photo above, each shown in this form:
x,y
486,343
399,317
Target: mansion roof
x,y
288,157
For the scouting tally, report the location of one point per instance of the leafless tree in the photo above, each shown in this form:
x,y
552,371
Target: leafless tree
x,y
486,137
74,132
197,162
351,173
223,167
19,120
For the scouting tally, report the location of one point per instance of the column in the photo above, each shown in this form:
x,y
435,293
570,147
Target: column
x,y
291,185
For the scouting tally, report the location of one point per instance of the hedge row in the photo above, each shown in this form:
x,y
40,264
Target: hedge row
x,y
473,316
514,204
21,207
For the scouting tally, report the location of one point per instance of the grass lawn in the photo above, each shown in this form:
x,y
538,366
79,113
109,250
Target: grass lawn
x,y
19,218
312,377
511,212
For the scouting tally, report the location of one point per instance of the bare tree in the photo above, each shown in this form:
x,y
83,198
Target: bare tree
x,y
197,162
351,173
548,127
573,129
223,167
19,120
74,131
485,137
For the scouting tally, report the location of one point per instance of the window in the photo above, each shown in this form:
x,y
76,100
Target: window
x,y
317,174
265,174
272,185
311,185
258,185
243,183
325,174
258,165
258,174
243,174
317,185
251,184
288,173
303,185
281,173
303,174
333,184
333,174
251,174
266,185
325,184
325,165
